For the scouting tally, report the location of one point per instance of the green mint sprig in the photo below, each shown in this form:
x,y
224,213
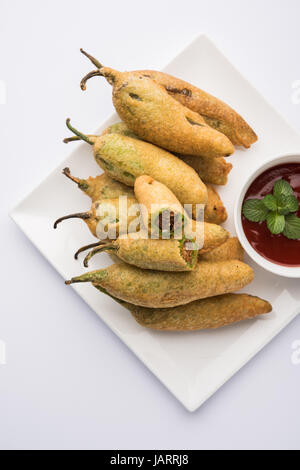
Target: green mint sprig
x,y
278,210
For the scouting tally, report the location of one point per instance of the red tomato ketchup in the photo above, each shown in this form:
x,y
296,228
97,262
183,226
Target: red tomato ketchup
x,y
275,248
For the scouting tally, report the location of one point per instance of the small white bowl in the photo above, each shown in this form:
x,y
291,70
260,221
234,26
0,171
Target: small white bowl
x,y
286,271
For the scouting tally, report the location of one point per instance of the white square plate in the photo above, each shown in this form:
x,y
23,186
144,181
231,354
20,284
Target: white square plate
x,y
192,365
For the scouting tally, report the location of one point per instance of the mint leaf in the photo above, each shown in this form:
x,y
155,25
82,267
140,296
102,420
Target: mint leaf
x,y
270,202
287,204
275,222
283,205
255,210
292,204
292,227
282,187
278,210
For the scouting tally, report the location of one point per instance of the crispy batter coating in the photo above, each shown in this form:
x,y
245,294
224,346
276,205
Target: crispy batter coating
x,y
210,170
152,114
158,289
231,249
161,209
100,187
214,312
125,158
214,235
211,234
105,220
215,211
104,187
120,128
107,215
215,112
148,191
147,253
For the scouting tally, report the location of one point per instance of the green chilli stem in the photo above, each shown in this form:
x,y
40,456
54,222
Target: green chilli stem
x,y
94,73
94,252
78,215
82,184
87,247
92,59
76,132
71,139
67,173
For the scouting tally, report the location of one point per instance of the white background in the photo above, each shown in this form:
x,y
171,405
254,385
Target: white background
x,y
69,382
